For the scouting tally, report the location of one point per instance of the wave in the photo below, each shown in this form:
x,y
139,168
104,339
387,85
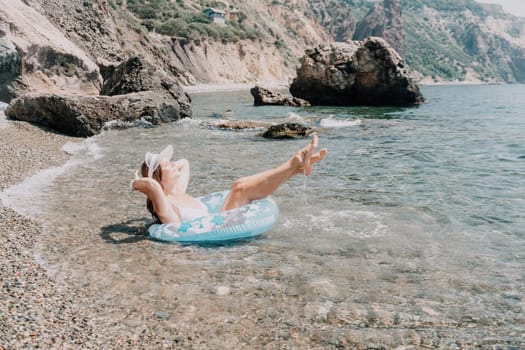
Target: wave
x,y
294,117
338,123
29,197
89,145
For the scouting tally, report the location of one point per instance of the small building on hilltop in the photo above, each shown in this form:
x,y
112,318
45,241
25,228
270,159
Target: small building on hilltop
x,y
217,16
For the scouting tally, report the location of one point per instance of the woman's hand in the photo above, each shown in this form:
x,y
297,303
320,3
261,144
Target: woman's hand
x,y
144,184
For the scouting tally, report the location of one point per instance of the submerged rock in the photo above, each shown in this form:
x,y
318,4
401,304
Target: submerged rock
x,y
287,131
264,96
241,124
368,72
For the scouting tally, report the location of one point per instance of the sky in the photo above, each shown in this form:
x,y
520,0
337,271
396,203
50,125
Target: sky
x,y
516,7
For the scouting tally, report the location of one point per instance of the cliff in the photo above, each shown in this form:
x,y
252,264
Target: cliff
x,y
62,45
463,41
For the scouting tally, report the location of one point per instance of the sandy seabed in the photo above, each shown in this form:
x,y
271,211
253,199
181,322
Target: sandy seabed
x,y
41,310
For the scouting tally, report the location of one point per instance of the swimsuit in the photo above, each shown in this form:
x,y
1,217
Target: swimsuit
x,y
188,214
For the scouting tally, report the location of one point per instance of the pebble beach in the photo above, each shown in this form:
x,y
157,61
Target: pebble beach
x,y
35,310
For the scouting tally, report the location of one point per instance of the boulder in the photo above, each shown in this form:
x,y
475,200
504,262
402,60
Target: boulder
x,y
368,72
264,96
135,92
287,131
136,74
85,116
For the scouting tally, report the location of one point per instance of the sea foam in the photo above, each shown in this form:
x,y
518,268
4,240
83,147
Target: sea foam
x,y
89,145
28,197
338,123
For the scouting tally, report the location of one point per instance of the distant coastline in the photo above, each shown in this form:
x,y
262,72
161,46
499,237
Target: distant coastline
x,y
229,86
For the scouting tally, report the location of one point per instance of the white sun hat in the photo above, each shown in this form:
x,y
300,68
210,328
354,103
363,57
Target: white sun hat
x,y
153,160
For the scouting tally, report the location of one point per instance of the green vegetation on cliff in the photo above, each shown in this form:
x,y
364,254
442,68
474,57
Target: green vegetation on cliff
x,y
174,18
446,40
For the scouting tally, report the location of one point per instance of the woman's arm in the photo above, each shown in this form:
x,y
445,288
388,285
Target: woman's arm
x,y
161,205
183,166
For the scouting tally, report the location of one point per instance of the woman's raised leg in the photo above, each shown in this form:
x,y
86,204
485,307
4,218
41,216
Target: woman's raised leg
x,y
258,186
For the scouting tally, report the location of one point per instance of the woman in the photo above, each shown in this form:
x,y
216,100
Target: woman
x,y
165,183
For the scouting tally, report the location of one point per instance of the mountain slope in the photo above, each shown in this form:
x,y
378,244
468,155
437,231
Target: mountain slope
x,y
464,40
261,41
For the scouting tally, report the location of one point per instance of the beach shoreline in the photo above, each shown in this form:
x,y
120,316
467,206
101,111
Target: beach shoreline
x,y
34,310
229,86
251,296
38,311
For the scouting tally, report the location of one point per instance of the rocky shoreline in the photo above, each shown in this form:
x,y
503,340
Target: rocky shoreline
x,y
36,311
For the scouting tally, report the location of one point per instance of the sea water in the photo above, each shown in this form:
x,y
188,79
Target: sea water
x,y
413,227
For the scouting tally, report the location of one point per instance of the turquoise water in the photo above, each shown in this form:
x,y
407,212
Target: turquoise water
x,y
413,223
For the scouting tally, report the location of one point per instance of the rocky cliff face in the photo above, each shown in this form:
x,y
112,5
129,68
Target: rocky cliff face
x,y
35,55
384,20
61,45
359,73
463,40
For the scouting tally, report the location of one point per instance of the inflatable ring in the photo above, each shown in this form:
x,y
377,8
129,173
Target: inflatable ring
x,y
247,221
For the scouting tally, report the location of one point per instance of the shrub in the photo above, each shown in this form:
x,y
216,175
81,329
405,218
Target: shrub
x,y
172,18
174,27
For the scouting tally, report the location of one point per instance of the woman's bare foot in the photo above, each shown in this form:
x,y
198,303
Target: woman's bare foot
x,y
305,158
314,159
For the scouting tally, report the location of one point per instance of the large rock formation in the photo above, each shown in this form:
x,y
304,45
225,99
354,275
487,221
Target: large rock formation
x,y
87,115
35,56
10,60
356,73
384,20
58,82
136,75
262,96
136,89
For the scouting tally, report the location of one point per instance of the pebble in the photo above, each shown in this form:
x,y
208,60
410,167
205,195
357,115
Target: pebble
x,y
222,290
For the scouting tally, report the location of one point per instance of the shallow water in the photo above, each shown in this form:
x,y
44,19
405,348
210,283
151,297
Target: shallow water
x,y
413,223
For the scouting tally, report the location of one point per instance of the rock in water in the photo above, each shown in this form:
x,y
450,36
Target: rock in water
x,y
262,96
136,93
287,131
368,73
87,115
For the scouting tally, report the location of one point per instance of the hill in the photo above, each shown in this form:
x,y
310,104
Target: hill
x,y
58,44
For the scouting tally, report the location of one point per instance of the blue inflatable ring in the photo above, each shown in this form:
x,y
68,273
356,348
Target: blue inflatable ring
x,y
247,221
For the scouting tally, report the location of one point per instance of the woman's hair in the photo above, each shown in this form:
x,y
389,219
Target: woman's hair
x,y
157,176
